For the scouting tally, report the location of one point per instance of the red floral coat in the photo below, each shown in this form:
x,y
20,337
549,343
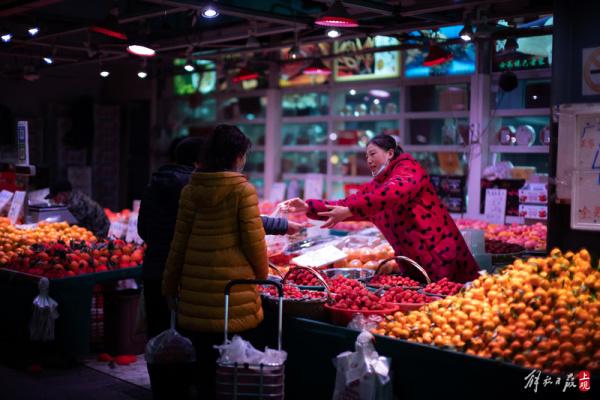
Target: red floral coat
x,y
402,203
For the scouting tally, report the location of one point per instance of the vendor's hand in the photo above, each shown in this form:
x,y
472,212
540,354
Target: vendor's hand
x,y
335,214
171,303
294,205
294,227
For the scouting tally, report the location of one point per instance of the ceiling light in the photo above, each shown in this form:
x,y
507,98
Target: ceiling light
x,y
142,74
337,16
189,67
104,73
379,93
48,60
141,50
34,30
376,101
352,92
317,68
245,74
210,11
333,136
295,53
436,56
333,33
6,37
466,32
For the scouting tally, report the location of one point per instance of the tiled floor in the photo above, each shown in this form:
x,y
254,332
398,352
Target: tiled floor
x,y
135,373
68,384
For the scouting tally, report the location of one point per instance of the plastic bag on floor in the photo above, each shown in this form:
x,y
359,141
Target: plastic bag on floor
x,y
170,347
41,325
362,374
241,351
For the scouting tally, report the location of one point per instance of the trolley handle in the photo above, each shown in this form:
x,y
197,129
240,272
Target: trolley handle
x,y
279,287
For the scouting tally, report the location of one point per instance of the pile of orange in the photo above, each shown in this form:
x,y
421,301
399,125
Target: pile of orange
x,y
542,313
14,240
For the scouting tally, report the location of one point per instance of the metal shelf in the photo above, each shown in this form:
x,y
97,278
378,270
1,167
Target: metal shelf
x,y
353,179
366,118
524,112
520,149
311,119
436,114
432,148
305,148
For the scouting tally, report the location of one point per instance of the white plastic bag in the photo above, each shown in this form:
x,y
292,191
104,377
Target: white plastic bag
x,y
169,347
238,350
363,374
41,325
277,243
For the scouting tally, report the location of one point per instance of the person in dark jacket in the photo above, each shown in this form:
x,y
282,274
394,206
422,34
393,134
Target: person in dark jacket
x,y
156,224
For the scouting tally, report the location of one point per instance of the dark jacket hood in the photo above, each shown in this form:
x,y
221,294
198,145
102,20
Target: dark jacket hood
x,y
169,179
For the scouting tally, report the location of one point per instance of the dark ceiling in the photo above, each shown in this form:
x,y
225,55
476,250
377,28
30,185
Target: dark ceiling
x,y
173,26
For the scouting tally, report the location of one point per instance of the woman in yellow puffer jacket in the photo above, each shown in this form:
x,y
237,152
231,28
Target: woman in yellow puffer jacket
x,y
218,237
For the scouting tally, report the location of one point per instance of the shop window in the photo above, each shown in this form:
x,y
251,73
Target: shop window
x,y
357,103
532,129
248,108
256,133
304,162
259,184
443,163
255,162
192,111
349,164
539,162
438,131
304,134
305,104
438,98
358,133
531,93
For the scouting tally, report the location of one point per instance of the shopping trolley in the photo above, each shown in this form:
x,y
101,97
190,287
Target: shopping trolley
x,y
251,381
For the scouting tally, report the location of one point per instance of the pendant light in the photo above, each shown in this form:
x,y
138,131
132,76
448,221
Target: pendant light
x,y
337,16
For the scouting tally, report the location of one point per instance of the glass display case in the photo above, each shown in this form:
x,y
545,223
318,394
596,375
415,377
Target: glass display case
x,y
438,131
358,133
529,93
348,164
305,104
438,97
304,134
365,102
523,131
256,133
295,162
248,108
443,163
255,162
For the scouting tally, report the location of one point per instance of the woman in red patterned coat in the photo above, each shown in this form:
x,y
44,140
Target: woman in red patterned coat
x,y
403,204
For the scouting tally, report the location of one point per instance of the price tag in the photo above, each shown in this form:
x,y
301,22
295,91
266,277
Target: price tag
x,y
117,230
16,208
495,205
132,232
318,258
277,193
313,186
5,198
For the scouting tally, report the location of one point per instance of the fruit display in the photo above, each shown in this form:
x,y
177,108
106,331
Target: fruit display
x,y
541,313
122,216
499,247
350,297
292,292
15,240
364,257
341,283
393,280
400,295
61,260
302,277
531,237
443,287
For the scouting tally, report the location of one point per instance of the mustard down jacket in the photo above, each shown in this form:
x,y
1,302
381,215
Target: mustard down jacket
x,y
218,237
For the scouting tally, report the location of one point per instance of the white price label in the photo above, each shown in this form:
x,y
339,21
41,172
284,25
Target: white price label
x,y
16,208
5,198
495,205
318,258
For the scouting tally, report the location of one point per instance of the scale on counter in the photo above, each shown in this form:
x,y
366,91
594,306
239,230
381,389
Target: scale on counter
x,y
45,212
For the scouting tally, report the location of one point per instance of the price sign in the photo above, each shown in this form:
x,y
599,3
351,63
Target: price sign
x,y
313,186
495,205
16,208
277,193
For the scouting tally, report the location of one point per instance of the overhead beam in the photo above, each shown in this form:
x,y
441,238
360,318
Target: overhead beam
x,y
241,12
9,8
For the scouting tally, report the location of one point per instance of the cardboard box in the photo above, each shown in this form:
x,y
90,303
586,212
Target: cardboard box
x,y
533,212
